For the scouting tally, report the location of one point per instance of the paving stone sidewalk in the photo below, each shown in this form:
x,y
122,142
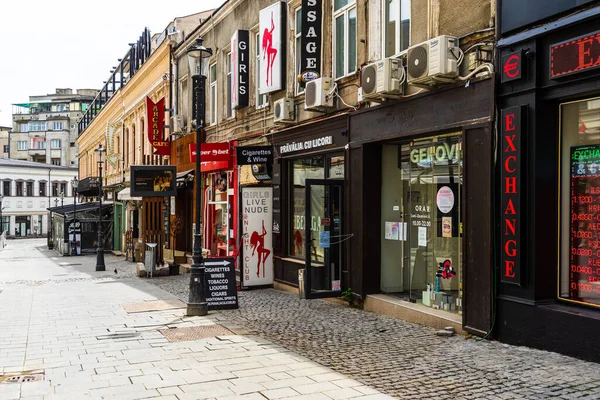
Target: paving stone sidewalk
x,y
402,359
68,326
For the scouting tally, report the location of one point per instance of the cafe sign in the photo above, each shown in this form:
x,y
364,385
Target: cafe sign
x,y
155,115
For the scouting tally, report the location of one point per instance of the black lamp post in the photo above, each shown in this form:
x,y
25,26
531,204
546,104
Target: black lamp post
x,y
1,218
197,54
100,251
62,199
75,183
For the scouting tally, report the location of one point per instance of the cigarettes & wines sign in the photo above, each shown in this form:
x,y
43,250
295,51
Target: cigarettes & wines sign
x,y
220,283
575,55
511,195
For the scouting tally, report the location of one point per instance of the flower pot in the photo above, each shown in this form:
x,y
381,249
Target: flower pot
x,y
173,269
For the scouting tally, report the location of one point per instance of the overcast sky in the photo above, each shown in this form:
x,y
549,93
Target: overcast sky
x,y
46,45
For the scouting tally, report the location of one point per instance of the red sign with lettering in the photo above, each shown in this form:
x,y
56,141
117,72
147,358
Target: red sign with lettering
x,y
511,195
575,55
210,152
155,114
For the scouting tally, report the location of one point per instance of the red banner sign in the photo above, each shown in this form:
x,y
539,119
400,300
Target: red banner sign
x,y
210,152
575,55
155,114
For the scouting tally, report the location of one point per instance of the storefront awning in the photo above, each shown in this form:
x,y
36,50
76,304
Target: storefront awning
x,y
80,207
184,177
125,195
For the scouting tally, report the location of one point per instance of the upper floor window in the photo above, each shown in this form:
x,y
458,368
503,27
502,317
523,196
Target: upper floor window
x,y
344,37
298,48
6,148
61,107
23,127
184,100
55,143
262,100
42,188
22,145
54,189
19,188
57,125
229,111
396,26
29,188
63,189
6,188
213,94
40,145
55,161
35,126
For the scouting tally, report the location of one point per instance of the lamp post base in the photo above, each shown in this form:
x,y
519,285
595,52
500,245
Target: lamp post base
x,y
100,260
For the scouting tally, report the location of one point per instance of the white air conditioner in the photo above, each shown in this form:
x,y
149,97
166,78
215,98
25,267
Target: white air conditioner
x,y
318,94
283,110
433,61
178,125
382,79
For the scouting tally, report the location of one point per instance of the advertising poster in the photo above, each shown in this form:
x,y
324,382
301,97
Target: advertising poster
x,y
272,51
257,225
148,181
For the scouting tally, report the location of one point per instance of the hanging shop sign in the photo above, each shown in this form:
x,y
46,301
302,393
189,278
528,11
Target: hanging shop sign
x,y
262,172
511,195
210,152
292,147
153,180
272,52
311,39
512,66
220,283
155,115
240,65
575,55
257,247
254,155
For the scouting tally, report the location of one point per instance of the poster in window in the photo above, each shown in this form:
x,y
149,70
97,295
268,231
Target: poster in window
x,y
584,235
257,230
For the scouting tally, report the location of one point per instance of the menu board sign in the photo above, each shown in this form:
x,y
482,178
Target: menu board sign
x,y
584,235
220,283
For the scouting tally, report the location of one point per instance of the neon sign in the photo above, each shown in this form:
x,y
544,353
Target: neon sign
x,y
575,55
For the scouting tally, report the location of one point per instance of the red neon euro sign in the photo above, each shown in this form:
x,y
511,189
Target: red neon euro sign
x,y
511,66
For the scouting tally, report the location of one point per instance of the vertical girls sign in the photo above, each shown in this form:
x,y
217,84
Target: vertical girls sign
x,y
257,240
272,51
240,66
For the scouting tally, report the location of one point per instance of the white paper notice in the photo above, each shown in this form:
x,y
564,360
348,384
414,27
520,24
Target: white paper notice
x,y
422,236
391,230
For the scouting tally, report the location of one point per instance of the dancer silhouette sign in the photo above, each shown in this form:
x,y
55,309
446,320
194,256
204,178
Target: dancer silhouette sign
x,y
272,52
257,225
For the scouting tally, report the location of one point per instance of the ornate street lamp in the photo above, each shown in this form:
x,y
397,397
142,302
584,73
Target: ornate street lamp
x,y
198,56
75,184
100,251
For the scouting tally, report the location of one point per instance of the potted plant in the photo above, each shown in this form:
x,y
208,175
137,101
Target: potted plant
x,y
175,229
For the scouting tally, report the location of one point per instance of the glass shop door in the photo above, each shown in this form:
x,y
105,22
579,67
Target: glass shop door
x,y
324,244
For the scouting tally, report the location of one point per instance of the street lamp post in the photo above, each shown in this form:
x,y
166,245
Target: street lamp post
x,y
62,199
75,183
100,251
1,218
197,53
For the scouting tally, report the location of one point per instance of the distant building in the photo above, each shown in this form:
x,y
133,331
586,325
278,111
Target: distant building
x,y
45,129
4,139
29,188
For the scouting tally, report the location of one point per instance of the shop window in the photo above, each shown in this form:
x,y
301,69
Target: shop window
x,y
396,26
219,217
580,202
421,221
344,37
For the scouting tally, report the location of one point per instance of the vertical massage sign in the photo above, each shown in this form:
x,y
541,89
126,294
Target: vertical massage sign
x,y
257,225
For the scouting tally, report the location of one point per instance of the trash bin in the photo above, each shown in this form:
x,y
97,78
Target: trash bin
x,y
150,259
301,283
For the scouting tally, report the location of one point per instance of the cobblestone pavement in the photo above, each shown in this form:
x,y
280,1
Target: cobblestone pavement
x,y
69,332
402,359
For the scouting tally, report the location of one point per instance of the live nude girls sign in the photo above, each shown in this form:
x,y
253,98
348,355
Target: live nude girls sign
x,y
257,245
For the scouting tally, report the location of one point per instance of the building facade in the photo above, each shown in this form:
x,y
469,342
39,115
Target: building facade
x,y
45,129
383,188
4,140
548,280
28,190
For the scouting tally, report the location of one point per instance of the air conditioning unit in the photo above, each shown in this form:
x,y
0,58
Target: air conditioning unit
x,y
178,124
283,110
318,95
433,61
382,79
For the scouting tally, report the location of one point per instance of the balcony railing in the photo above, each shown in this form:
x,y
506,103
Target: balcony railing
x,y
135,57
